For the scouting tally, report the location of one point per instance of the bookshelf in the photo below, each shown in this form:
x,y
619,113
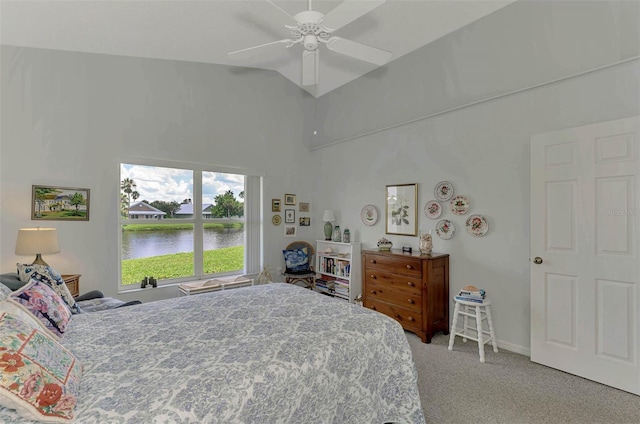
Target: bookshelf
x,y
338,269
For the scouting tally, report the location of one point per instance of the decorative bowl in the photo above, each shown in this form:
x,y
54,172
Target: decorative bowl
x,y
384,244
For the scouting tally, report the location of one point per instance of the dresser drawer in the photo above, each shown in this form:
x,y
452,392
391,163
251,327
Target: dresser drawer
x,y
407,317
398,296
401,282
395,264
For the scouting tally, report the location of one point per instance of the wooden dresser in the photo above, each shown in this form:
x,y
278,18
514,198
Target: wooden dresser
x,y
412,288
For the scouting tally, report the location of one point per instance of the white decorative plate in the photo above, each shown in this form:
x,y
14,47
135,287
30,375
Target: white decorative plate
x,y
443,191
459,205
477,225
369,215
445,229
432,209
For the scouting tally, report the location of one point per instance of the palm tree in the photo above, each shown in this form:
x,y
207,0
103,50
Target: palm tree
x,y
128,186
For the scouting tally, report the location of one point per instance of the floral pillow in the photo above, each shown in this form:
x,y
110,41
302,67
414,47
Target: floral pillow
x,y
52,278
296,260
39,378
45,304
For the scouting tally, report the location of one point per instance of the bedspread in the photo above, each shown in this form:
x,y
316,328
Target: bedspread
x,y
264,354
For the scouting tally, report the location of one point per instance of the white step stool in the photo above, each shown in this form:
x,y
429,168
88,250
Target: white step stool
x,y
479,312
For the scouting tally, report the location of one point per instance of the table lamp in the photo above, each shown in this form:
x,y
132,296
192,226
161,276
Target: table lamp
x,y
36,241
327,217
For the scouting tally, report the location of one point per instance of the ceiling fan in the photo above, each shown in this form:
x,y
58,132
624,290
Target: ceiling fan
x,y
312,29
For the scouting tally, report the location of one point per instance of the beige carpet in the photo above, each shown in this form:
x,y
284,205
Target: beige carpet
x,y
455,387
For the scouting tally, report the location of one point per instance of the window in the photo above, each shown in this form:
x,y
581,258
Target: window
x,y
180,224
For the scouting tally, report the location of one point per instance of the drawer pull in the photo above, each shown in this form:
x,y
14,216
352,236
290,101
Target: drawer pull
x,y
409,267
411,301
373,292
373,276
410,283
373,261
411,319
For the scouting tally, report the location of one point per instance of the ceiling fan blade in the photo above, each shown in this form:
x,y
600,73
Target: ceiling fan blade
x,y
293,20
359,51
348,11
310,67
249,50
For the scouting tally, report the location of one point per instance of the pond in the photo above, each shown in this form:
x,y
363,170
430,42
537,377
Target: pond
x,y
143,244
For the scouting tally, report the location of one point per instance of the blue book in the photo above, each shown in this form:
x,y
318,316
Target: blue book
x,y
470,299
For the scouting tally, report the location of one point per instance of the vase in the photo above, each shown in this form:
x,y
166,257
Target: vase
x,y
346,237
328,230
337,235
426,243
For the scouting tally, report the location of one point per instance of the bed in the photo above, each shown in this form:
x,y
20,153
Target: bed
x,y
275,353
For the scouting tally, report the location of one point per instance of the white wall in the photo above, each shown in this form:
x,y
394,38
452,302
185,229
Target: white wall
x,y
68,119
483,149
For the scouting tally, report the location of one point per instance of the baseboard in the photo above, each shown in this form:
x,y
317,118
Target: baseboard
x,y
522,350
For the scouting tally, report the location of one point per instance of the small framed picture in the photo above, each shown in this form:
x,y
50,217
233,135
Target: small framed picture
x,y
59,203
305,221
289,199
275,205
290,231
289,216
303,207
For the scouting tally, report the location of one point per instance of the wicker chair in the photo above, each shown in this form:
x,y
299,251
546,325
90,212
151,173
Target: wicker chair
x,y
308,278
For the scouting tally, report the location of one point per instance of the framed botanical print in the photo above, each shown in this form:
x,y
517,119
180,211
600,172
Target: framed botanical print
x,y
289,216
401,209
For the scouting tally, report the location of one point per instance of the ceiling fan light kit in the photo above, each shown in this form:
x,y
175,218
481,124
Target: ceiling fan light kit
x,y
313,28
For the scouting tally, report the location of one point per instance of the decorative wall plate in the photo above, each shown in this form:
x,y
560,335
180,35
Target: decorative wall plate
x,y
369,215
445,229
477,225
443,191
276,220
433,209
459,205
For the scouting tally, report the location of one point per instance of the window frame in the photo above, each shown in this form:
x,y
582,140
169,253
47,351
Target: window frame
x,y
252,214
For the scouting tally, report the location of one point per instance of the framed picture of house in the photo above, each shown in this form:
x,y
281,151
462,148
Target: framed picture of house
x,y
51,203
289,199
275,205
401,209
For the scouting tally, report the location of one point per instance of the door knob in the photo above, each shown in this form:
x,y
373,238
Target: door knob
x,y
537,260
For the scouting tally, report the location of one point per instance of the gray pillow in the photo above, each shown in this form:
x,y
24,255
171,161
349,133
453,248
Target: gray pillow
x,y
11,280
4,291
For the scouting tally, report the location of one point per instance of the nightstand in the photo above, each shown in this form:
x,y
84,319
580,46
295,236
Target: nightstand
x,y
73,283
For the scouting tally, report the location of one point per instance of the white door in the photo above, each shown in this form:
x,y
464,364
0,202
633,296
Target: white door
x,y
585,216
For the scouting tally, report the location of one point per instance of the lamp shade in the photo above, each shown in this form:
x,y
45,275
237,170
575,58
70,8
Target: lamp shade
x,y
328,216
32,241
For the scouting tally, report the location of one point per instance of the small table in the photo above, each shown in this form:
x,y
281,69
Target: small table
x,y
73,283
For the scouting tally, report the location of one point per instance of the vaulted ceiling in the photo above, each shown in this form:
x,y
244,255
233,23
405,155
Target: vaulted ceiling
x,y
205,31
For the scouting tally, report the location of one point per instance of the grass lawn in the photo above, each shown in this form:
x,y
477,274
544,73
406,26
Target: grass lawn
x,y
179,265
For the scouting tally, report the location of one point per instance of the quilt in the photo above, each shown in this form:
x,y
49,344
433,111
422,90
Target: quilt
x,y
274,353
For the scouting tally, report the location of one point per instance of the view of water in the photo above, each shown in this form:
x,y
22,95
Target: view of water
x,y
142,244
